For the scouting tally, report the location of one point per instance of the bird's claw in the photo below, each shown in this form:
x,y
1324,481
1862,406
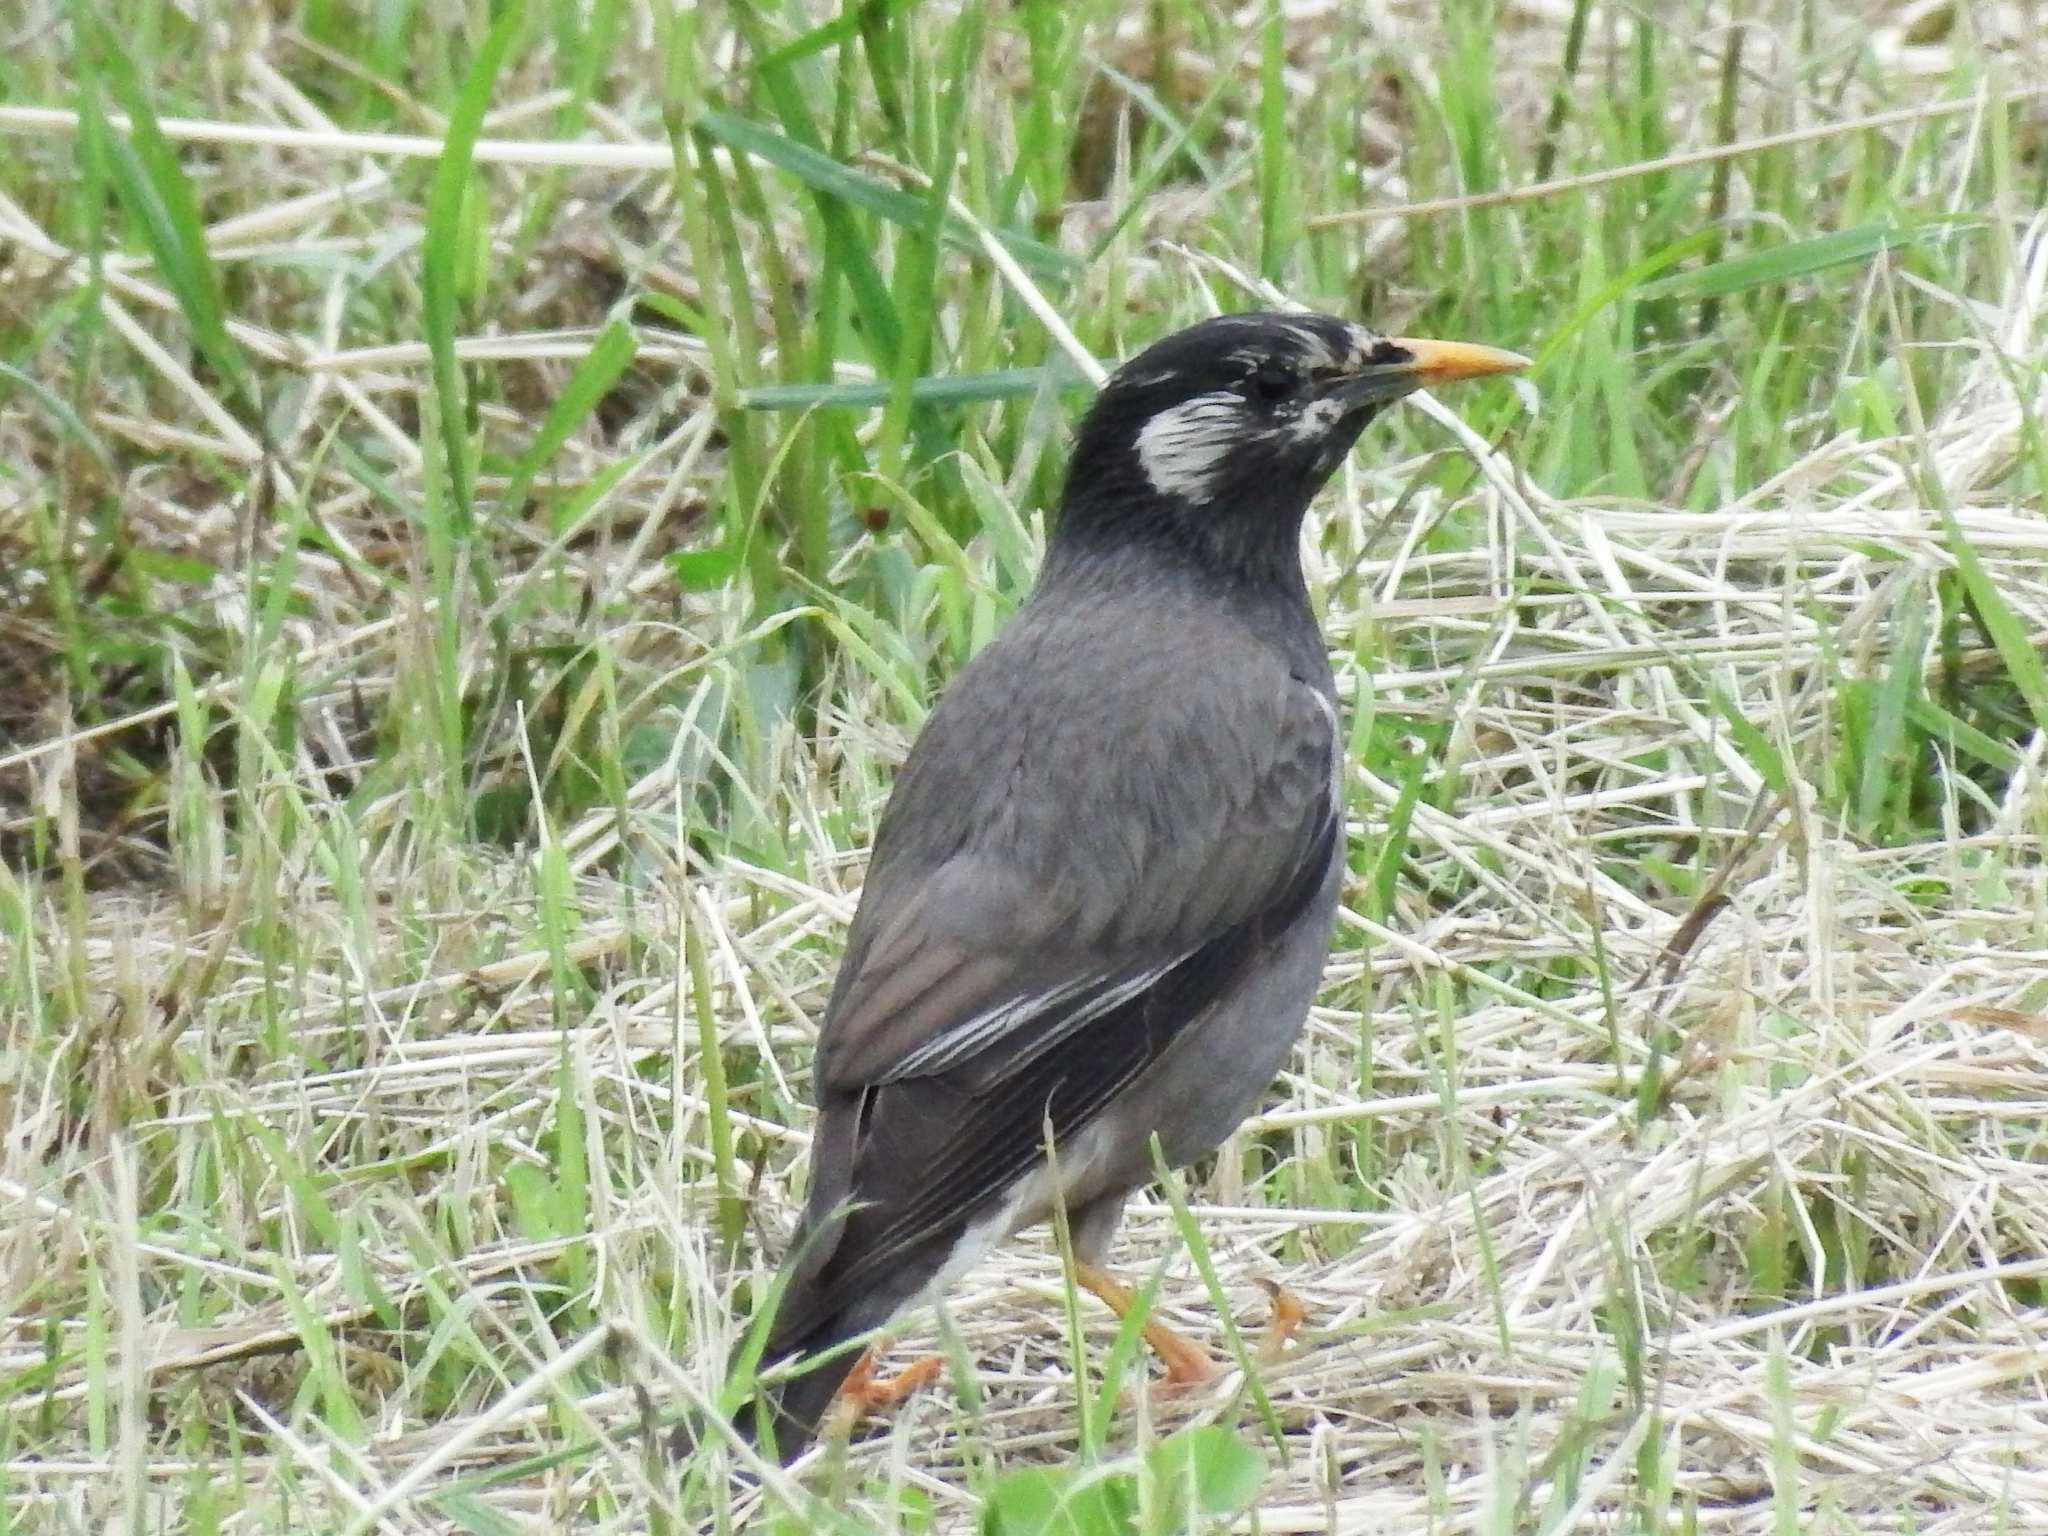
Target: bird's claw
x,y
1188,1365
1284,1320
863,1394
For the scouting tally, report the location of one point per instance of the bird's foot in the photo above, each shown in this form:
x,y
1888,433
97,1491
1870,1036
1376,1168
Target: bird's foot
x,y
1284,1320
1187,1364
863,1393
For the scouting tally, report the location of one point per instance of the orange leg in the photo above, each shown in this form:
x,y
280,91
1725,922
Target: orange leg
x,y
861,1394
1285,1322
1187,1363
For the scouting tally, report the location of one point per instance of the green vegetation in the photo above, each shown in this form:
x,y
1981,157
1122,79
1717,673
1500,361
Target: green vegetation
x,y
472,554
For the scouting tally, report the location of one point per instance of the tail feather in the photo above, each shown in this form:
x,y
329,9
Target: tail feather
x,y
815,1316
793,1409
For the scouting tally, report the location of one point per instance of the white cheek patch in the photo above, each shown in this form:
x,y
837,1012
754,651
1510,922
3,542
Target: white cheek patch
x,y
1182,450
1317,418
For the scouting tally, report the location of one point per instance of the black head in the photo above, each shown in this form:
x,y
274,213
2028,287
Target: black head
x,y
1216,438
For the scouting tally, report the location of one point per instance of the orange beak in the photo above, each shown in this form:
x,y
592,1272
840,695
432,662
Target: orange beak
x,y
1427,364
1446,362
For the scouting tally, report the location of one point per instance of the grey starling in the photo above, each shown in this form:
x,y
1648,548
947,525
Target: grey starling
x,y
1102,893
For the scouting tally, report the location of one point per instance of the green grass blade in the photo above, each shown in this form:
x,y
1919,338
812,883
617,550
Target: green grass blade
x,y
153,187
1198,1250
1885,752
600,369
2007,632
1386,864
1276,147
832,178
1799,258
61,412
442,249
1752,741
849,249
942,389
916,292
1635,279
1960,735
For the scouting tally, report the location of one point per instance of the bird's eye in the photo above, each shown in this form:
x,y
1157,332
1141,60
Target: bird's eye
x,y
1272,382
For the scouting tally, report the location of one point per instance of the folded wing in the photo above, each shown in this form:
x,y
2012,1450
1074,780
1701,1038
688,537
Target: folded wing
x,y
1018,960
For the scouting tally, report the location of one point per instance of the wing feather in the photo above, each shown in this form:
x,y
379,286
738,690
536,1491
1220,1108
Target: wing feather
x,y
1058,1084
1063,881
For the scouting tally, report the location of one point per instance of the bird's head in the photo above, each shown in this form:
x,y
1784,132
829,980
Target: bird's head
x,y
1219,435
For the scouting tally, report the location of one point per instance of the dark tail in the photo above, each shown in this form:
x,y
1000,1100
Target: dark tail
x,y
835,1286
792,1409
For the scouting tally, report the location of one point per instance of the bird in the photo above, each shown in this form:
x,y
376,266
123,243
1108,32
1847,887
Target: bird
x,y
1102,892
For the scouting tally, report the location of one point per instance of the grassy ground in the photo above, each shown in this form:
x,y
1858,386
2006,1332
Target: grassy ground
x,y
458,617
